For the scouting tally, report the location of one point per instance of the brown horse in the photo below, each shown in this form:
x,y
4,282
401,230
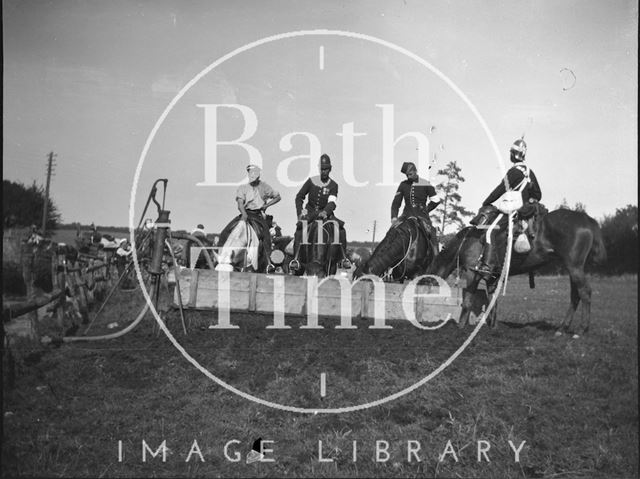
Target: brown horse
x,y
573,237
405,250
322,253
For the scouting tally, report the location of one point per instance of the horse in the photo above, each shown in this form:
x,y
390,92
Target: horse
x,y
570,236
406,250
322,253
359,256
241,250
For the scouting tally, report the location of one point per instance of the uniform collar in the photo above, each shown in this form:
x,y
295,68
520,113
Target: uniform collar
x,y
318,182
419,182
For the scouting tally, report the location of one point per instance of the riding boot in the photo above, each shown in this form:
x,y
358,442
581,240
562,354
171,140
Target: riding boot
x,y
343,241
433,240
266,246
485,268
297,238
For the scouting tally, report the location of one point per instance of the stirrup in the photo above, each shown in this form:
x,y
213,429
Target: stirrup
x,y
294,265
483,269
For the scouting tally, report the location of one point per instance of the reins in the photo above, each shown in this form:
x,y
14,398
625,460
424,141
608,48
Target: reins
x,y
404,257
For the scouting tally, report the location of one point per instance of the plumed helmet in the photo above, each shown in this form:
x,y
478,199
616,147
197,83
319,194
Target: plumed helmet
x,y
518,150
325,161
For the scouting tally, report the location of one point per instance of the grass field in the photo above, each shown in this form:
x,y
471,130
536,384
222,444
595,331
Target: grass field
x,y
574,401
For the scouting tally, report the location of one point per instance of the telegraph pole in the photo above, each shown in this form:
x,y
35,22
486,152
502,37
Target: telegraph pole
x,y
373,240
50,166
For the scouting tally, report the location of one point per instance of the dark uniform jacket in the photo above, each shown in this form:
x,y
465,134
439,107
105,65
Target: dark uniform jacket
x,y
419,197
515,176
319,197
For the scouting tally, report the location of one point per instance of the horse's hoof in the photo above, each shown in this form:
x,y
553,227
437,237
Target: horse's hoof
x,y
575,336
558,333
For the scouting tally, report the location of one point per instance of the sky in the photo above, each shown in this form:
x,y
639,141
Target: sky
x,y
89,80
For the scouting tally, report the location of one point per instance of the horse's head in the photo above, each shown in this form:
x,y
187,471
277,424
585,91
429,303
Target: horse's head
x,y
464,244
322,251
389,253
315,268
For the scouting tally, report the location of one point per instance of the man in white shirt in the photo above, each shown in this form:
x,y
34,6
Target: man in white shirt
x,y
253,199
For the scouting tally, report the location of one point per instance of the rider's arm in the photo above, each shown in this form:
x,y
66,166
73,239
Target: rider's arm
x,y
534,187
333,197
243,212
272,195
514,177
395,204
434,198
302,194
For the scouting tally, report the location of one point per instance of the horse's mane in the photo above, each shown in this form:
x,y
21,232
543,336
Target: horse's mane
x,y
390,238
451,249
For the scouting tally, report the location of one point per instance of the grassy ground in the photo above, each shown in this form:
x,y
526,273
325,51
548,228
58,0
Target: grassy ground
x,y
574,401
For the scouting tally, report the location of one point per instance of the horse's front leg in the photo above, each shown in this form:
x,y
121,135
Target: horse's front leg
x,y
468,294
492,318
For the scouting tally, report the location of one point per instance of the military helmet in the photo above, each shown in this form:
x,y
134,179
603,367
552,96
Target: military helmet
x,y
518,150
325,161
406,166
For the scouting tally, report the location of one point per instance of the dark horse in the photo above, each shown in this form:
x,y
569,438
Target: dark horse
x,y
406,249
570,236
321,254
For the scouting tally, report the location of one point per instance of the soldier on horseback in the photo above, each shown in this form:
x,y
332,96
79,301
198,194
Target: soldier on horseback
x,y
420,198
519,178
321,193
253,199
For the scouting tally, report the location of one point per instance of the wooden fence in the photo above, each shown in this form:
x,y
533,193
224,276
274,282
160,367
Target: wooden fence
x,y
59,291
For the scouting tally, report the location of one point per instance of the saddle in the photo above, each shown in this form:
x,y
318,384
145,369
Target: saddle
x,y
530,216
526,220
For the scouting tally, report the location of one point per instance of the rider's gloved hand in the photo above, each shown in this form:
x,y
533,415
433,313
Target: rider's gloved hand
x,y
394,221
302,217
322,215
244,216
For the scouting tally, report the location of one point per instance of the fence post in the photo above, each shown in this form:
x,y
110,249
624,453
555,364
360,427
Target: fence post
x,y
55,283
61,283
26,261
82,297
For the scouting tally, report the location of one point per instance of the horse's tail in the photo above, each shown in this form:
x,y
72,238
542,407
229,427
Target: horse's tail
x,y
598,253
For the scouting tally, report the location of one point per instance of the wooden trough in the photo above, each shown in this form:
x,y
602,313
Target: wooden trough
x,y
277,295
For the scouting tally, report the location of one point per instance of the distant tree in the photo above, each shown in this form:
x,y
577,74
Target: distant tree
x,y
23,206
580,207
620,234
450,212
564,205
